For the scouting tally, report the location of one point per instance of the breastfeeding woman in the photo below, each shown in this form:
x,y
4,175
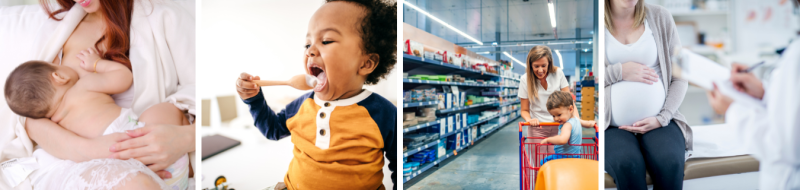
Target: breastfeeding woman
x,y
541,79
644,132
156,41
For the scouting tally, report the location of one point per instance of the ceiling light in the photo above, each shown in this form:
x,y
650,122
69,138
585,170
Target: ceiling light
x,y
515,59
406,3
560,61
552,13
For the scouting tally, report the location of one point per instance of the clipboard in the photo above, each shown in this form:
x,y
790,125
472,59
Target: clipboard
x,y
704,73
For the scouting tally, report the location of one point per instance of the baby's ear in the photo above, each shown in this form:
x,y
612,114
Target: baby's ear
x,y
59,78
369,64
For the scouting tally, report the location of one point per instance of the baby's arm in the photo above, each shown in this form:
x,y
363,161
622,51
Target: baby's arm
x,y
65,144
273,126
109,77
562,138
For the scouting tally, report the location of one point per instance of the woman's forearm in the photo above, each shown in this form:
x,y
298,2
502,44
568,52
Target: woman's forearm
x,y
675,94
63,143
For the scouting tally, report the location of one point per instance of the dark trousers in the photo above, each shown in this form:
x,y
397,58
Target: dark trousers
x,y
660,151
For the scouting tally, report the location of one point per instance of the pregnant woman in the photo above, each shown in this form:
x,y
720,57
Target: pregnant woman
x,y
644,130
541,79
163,79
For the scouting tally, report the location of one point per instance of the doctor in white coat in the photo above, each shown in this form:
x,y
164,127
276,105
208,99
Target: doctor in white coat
x,y
770,127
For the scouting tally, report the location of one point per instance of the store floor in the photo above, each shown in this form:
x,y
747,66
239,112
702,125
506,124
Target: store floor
x,y
493,163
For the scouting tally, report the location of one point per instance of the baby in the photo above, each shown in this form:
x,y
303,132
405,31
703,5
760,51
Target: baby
x,y
37,89
340,131
559,104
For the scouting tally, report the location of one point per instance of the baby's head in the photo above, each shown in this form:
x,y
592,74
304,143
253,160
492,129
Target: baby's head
x,y
350,43
559,104
35,88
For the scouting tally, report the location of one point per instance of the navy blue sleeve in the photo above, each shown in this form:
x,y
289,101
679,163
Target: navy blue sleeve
x,y
384,113
272,125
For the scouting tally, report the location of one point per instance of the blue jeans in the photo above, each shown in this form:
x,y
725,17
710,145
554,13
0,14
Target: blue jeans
x,y
660,152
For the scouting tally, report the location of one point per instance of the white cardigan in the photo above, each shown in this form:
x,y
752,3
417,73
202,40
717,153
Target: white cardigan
x,y
162,56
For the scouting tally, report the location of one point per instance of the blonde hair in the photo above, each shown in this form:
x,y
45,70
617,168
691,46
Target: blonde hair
x,y
638,15
536,53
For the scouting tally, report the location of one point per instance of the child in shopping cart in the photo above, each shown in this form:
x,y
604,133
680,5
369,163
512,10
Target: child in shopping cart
x,y
559,104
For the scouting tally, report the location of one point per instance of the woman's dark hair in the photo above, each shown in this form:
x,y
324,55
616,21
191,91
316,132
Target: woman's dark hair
x,y
117,16
379,33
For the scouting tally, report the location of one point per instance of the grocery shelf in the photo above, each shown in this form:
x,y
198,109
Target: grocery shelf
x,y
510,103
413,62
420,126
431,144
418,104
451,153
464,107
433,82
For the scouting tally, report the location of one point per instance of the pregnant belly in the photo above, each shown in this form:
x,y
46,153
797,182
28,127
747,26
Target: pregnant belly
x,y
634,101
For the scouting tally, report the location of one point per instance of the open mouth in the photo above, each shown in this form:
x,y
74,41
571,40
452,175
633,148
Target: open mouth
x,y
322,78
85,3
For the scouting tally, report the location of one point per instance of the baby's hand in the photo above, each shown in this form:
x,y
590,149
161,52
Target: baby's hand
x,y
543,141
89,58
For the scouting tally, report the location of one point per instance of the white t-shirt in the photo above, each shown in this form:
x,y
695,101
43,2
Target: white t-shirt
x,y
634,101
555,82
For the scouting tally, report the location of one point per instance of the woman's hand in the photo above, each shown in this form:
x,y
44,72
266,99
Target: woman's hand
x,y
746,82
533,122
157,146
637,72
88,59
642,126
718,101
245,87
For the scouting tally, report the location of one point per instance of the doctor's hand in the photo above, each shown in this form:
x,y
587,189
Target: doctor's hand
x,y
637,72
746,82
533,122
642,126
719,101
245,86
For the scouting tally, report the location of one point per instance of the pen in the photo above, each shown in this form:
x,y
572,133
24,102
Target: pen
x,y
752,67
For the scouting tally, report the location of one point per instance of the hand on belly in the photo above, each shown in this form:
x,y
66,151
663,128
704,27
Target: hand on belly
x,y
634,101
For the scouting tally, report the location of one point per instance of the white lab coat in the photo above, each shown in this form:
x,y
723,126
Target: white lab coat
x,y
771,128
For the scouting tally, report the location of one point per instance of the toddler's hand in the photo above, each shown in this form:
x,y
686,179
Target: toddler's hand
x,y
88,59
245,86
543,141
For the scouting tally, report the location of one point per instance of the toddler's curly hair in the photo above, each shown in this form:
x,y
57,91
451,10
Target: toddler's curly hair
x,y
379,33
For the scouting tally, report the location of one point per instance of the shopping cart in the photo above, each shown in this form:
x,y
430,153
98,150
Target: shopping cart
x,y
532,154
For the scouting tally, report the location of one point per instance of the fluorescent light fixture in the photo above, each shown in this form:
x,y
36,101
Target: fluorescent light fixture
x,y
560,61
552,14
406,3
515,59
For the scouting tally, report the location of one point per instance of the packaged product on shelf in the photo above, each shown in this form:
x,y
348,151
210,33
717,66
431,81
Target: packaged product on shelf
x,y
448,98
441,101
441,149
462,98
413,48
417,95
429,55
431,94
438,56
407,169
464,119
457,121
474,132
407,96
441,129
443,124
450,123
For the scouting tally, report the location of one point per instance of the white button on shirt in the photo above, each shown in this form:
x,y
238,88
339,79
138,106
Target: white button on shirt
x,y
538,109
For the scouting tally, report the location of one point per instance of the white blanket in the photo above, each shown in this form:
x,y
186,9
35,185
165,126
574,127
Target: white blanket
x,y
162,54
719,140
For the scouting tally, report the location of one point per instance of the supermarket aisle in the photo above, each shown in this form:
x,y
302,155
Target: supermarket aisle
x,y
493,163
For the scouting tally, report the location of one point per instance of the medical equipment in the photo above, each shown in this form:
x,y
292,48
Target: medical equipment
x,y
300,82
533,153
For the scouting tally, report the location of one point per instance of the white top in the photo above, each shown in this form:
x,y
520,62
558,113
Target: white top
x,y
555,82
634,101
